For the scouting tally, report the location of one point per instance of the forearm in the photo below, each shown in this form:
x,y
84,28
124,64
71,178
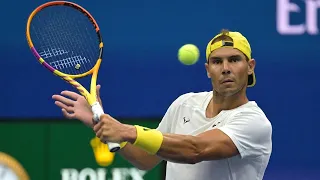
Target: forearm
x,y
180,149
210,145
171,147
138,157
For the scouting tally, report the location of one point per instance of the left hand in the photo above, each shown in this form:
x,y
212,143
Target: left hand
x,y
75,106
110,130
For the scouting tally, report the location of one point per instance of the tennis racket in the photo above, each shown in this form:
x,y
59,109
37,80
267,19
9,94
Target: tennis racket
x,y
66,40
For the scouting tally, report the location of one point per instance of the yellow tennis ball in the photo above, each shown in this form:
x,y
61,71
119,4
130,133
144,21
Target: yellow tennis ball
x,y
188,54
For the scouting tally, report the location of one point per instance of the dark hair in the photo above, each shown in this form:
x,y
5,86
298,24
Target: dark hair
x,y
223,37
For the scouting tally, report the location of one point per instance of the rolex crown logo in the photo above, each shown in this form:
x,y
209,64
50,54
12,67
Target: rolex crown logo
x,y
12,166
101,152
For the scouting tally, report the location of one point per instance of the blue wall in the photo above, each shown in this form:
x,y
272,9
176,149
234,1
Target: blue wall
x,y
141,75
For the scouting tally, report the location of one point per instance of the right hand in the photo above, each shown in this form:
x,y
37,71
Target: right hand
x,y
75,106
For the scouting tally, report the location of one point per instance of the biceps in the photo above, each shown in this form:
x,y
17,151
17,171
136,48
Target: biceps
x,y
216,145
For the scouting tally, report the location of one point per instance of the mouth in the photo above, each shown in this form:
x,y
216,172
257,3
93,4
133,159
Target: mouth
x,y
226,81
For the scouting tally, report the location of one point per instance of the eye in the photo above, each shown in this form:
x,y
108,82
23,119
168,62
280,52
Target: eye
x,y
234,59
216,61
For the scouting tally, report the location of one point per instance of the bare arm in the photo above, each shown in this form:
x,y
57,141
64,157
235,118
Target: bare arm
x,y
139,158
210,145
243,134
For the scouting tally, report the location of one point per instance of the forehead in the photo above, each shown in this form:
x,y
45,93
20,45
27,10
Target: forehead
x,y
225,52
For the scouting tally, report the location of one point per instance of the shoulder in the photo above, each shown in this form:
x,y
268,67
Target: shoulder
x,y
196,99
182,103
249,129
251,113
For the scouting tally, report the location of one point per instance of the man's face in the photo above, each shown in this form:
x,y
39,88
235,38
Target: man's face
x,y
228,69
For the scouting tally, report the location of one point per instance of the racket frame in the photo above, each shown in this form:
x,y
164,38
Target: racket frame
x,y
92,96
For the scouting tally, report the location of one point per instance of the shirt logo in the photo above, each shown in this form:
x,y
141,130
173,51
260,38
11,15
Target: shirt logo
x,y
216,124
185,120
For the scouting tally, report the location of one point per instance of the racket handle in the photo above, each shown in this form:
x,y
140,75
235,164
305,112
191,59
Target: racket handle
x,y
97,112
113,147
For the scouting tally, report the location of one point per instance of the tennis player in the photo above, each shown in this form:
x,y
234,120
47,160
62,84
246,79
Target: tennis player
x,y
218,135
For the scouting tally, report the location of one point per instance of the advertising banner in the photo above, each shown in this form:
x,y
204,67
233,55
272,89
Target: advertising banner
x,y
65,151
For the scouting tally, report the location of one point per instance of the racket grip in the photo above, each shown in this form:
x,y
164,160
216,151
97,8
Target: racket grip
x,y
97,112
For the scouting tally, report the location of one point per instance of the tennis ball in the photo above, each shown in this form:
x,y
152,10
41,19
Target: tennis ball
x,y
188,54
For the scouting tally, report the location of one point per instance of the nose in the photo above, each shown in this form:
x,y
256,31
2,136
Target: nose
x,y
226,69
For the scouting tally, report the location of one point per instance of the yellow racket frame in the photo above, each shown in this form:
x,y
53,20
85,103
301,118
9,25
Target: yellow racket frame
x,y
91,97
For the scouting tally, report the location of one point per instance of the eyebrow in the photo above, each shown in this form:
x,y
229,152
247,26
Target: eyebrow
x,y
232,56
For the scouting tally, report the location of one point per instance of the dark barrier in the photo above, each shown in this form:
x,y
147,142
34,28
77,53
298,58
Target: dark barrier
x,y
64,150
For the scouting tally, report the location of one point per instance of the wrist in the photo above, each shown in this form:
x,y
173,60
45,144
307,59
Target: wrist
x,y
147,139
130,133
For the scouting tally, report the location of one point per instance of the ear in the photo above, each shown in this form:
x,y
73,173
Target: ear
x,y
251,65
207,67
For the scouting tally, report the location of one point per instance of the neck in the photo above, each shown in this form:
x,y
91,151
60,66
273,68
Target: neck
x,y
219,102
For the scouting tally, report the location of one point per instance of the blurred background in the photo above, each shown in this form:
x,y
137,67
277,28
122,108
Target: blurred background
x,y
141,76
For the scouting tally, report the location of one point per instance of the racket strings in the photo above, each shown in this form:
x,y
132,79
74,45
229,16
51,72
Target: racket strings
x,y
63,63
66,39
